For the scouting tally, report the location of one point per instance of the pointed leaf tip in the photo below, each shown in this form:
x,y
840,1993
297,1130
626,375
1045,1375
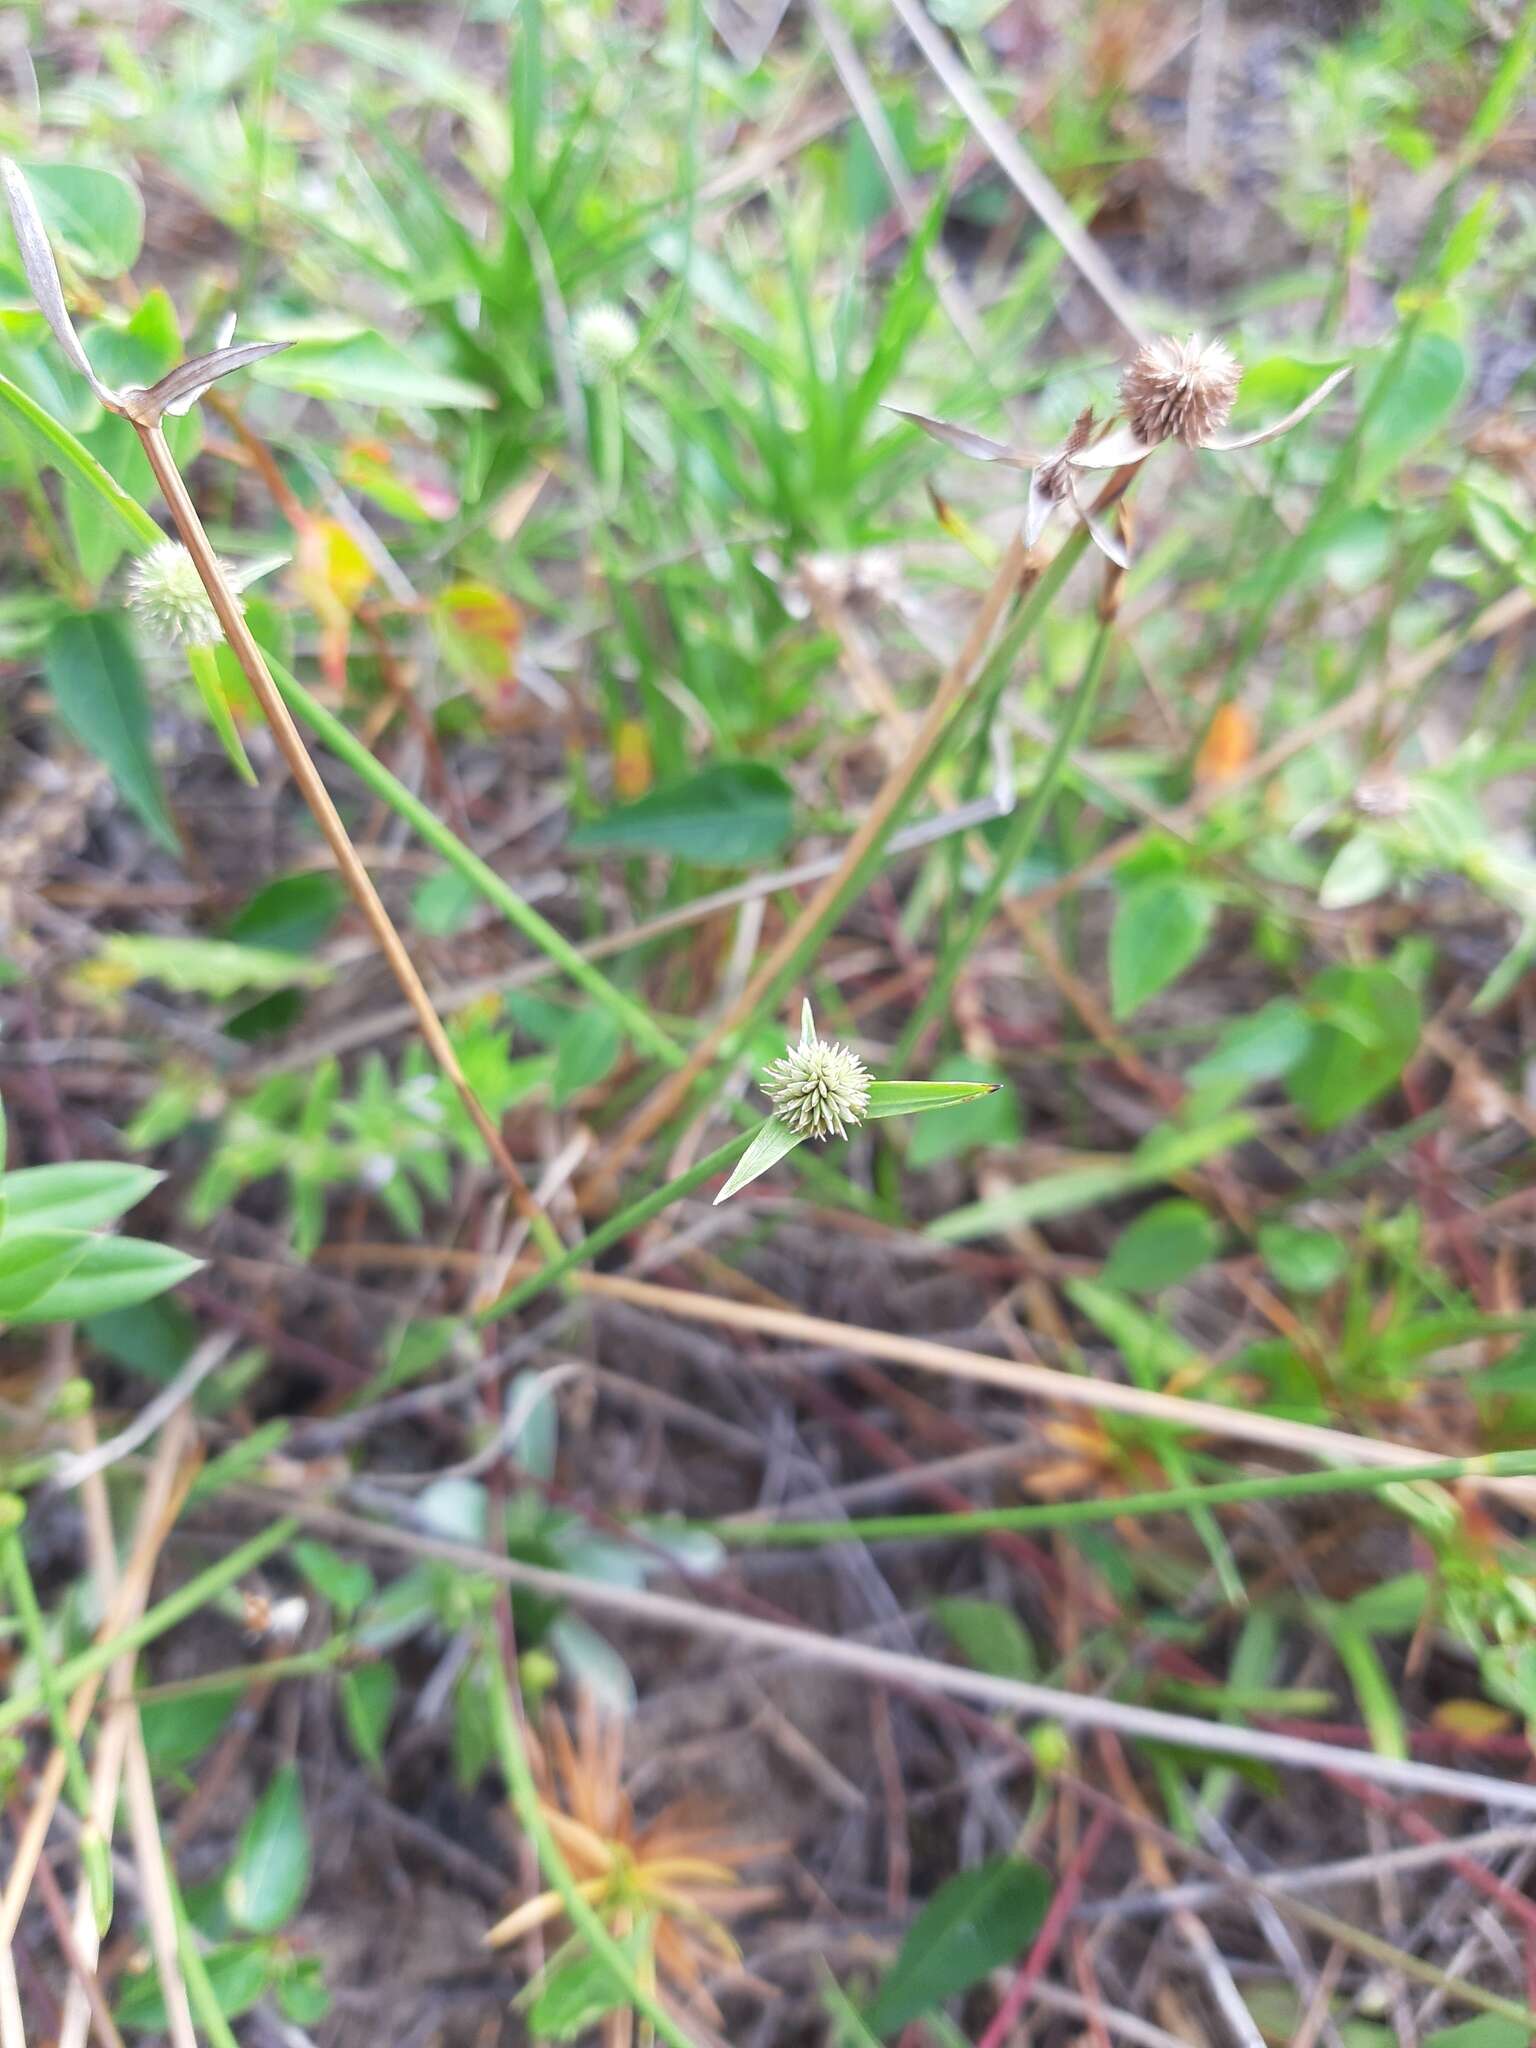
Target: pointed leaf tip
x,y
180,390
774,1141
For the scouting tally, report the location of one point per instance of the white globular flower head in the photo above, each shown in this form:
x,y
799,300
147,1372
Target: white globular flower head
x,y
819,1089
1182,390
166,591
604,338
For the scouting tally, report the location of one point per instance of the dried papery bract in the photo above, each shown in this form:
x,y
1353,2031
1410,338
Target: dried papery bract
x,y
144,405
1170,390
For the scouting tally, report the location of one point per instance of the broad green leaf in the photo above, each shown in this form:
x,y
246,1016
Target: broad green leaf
x,y
445,904
1488,2030
32,1261
94,676
910,1098
291,915
737,812
365,369
269,1873
989,1636
1159,929
1163,1246
1359,872
177,1731
63,451
96,216
585,1053
1365,1028
82,1195
345,1582
155,1338
1304,1261
238,1972
573,1995
1256,1048
367,1698
774,1141
113,1272
302,1995
972,1925
207,967
989,1120
1418,392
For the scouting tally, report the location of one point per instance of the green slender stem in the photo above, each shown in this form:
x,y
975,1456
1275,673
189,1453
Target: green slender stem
x,y
637,1021
513,1755
176,1607
204,1999
1023,830
52,1690
241,1677
618,1226
1075,1513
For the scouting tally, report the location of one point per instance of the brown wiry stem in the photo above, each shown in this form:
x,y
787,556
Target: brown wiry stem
x,y
304,772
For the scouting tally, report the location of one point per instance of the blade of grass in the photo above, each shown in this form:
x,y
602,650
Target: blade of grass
x,y
1023,830
1079,1513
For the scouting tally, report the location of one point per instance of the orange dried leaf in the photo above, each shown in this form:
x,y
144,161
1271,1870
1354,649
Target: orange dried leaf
x,y
1472,1717
1227,748
632,767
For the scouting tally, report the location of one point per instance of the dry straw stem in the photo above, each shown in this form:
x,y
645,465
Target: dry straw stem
x,y
156,1513
1238,1425
918,1674
305,774
13,2033
1026,177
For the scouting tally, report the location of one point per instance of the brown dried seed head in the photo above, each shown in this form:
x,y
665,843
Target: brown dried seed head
x,y
1180,389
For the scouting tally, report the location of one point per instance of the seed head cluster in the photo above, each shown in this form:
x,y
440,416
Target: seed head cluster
x,y
1180,390
819,1089
604,338
166,591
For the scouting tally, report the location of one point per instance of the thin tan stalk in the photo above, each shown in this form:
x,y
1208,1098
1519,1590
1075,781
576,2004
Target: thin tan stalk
x,y
902,1669
673,1091
1236,1424
305,774
155,1888
13,2033
112,1741
156,1512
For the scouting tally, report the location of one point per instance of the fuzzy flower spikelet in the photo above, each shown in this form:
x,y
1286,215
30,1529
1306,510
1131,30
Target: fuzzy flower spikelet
x,y
604,338
166,591
1180,390
819,1089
